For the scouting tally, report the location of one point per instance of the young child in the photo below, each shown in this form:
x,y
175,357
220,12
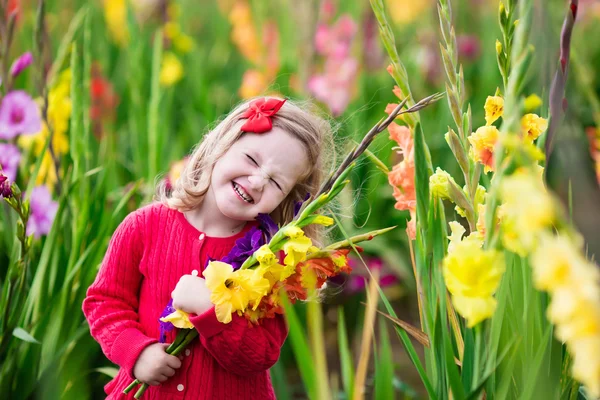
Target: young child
x,y
263,158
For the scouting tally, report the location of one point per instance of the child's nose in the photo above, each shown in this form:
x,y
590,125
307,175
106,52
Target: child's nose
x,y
257,182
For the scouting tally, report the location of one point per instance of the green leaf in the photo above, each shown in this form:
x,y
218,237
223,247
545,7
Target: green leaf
x,y
153,108
301,348
423,170
345,356
384,366
412,353
110,371
24,335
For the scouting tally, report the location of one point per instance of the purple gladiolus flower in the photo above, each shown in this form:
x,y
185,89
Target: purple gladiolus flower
x,y
19,114
268,226
5,190
245,247
43,211
10,156
166,326
21,63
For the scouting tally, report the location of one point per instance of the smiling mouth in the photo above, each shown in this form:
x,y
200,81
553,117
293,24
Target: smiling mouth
x,y
242,193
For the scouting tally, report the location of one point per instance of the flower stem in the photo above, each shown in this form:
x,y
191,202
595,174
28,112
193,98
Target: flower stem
x,y
184,337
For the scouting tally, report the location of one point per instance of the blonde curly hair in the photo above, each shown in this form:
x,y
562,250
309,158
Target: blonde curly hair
x,y
302,120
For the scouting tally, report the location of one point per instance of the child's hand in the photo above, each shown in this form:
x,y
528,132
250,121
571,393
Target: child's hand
x,y
191,295
154,365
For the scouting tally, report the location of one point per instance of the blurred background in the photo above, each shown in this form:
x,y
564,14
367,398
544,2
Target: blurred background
x,y
128,87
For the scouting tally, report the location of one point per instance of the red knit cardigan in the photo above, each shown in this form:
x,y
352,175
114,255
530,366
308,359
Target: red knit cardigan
x,y
148,253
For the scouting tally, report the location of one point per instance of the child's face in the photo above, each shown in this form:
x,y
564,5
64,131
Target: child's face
x,y
257,173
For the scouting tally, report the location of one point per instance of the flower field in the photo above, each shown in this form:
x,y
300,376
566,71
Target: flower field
x,y
469,127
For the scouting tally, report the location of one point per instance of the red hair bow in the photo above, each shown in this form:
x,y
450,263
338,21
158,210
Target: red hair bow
x,y
259,115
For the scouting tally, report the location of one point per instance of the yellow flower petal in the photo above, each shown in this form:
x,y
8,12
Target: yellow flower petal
x,y
323,220
494,108
224,312
532,127
474,309
171,70
180,319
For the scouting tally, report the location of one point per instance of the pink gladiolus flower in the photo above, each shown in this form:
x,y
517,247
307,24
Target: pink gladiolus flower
x,y
334,87
21,63
468,47
5,190
10,156
402,175
357,282
19,114
43,211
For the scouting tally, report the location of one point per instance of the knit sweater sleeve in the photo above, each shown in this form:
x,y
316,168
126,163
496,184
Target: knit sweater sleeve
x,y
111,304
239,347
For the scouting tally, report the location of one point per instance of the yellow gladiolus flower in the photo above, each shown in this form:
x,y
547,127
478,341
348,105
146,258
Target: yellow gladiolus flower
x,y
483,142
472,276
171,70
554,263
494,107
406,11
574,285
270,267
532,127
292,232
456,233
532,102
323,220
115,14
474,309
523,221
180,319
47,173
183,43
233,291
296,249
586,363
264,255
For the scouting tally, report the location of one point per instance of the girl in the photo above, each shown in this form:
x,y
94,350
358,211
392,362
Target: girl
x,y
263,158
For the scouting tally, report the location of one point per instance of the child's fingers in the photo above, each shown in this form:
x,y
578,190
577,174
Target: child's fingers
x,y
173,362
153,383
168,372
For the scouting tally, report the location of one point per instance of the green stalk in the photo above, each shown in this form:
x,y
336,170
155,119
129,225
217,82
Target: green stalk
x,y
315,331
521,54
456,93
184,337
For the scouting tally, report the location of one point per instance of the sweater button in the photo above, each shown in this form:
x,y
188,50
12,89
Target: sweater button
x,y
201,237
180,387
188,352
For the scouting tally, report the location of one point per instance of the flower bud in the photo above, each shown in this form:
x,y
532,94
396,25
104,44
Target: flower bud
x,y
439,184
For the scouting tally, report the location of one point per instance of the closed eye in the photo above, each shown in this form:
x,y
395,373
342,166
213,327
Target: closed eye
x,y
276,184
252,159
272,180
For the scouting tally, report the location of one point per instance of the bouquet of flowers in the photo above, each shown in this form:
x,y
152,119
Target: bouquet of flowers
x,y
251,280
